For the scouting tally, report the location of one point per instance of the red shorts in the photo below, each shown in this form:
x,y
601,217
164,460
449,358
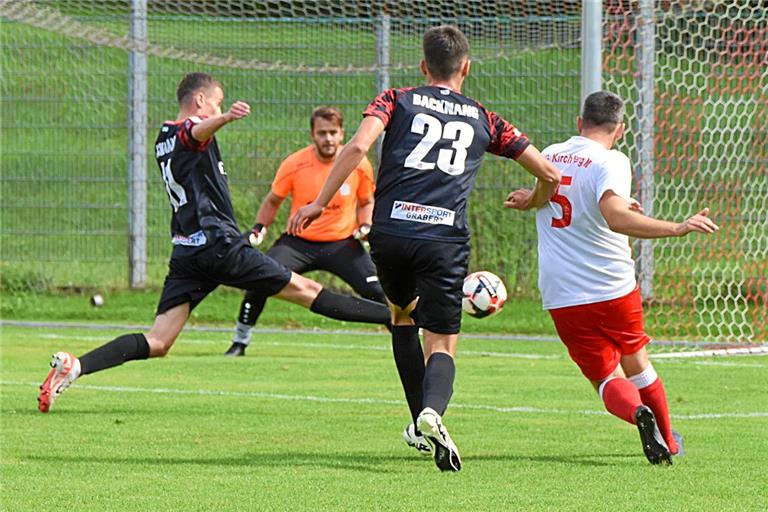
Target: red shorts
x,y
598,334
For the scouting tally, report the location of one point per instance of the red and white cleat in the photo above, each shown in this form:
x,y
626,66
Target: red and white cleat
x,y
65,368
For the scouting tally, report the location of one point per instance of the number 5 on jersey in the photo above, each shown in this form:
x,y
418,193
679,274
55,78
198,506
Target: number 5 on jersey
x,y
565,204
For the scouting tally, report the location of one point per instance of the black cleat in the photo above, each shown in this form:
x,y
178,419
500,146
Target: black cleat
x,y
654,446
236,350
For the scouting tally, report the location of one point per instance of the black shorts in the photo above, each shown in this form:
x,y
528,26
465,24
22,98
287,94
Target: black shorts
x,y
344,258
433,271
231,263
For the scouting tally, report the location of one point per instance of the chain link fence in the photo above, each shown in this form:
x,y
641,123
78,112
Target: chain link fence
x,y
694,73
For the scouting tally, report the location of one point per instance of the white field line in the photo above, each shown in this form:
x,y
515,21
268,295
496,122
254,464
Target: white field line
x,y
373,401
350,346
336,346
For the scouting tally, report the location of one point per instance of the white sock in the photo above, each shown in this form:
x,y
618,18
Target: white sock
x,y
644,378
242,333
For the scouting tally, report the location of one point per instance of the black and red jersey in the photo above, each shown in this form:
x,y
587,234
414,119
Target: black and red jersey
x,y
197,187
434,144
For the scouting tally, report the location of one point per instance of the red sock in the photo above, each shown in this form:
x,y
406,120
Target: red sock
x,y
654,397
621,398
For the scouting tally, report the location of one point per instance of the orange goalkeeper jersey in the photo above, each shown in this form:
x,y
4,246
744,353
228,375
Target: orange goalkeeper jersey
x,y
302,175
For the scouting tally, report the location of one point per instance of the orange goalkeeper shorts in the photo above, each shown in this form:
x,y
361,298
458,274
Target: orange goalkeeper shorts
x,y
598,334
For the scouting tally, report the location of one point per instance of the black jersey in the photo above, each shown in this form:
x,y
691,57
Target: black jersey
x,y
197,188
434,144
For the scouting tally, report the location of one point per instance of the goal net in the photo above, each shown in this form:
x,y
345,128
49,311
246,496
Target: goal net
x,y
697,84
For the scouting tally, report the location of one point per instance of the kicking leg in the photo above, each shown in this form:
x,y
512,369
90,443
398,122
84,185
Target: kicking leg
x,y
66,368
311,294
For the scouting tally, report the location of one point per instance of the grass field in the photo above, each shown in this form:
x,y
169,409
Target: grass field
x,y
313,422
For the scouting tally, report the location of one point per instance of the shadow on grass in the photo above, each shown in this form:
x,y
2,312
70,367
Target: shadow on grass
x,y
352,462
594,459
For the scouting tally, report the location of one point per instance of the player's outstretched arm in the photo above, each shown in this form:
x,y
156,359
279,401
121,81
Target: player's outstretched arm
x,y
345,163
622,219
547,179
205,129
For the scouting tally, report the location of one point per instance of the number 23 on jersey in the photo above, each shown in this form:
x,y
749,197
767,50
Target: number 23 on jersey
x,y
450,161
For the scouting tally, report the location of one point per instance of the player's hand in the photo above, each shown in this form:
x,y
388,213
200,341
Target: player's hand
x,y
239,110
361,233
635,206
303,218
700,223
257,234
519,199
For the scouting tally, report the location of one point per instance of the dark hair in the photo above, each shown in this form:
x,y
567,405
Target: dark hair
x,y
192,83
603,109
445,48
331,114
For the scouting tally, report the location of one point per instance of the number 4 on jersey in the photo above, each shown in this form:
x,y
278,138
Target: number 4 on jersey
x,y
565,204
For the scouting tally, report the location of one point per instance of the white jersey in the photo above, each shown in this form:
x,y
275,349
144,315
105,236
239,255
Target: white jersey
x,y
581,261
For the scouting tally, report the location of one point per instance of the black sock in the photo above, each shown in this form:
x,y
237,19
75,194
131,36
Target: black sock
x,y
251,307
438,381
409,359
351,309
121,349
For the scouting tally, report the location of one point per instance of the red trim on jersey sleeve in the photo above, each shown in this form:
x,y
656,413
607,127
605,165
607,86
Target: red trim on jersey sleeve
x,y
383,106
506,140
186,138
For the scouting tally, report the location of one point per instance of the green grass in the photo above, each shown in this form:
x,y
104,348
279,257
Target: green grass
x,y
221,307
198,431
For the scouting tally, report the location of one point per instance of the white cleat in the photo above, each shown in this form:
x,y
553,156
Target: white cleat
x,y
65,368
417,442
446,453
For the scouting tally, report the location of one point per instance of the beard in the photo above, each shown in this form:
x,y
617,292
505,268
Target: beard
x,y
327,151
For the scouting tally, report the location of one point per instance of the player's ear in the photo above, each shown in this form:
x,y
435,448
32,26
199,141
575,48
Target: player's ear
x,y
579,124
465,68
619,133
423,68
199,99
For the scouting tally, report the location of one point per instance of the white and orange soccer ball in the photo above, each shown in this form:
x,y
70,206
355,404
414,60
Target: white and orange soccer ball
x,y
484,294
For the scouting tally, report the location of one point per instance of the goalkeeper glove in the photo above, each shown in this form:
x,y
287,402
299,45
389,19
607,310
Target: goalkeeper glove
x,y
257,234
361,233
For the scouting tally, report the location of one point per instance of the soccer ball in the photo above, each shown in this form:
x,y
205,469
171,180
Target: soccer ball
x,y
484,294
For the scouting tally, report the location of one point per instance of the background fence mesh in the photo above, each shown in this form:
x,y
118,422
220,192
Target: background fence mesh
x,y
64,90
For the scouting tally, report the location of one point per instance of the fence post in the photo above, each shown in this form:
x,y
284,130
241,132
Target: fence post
x,y
645,108
383,34
591,48
137,146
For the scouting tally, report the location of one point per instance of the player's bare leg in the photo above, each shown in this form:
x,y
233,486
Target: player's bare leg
x,y
439,374
641,373
622,399
409,360
166,329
